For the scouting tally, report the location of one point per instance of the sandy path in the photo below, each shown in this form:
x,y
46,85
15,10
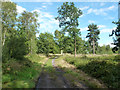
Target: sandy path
x,y
48,81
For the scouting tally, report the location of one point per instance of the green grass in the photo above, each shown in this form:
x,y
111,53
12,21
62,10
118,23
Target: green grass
x,y
21,73
49,63
50,69
76,76
104,68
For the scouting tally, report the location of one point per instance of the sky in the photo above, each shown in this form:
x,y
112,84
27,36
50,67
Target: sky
x,y
100,13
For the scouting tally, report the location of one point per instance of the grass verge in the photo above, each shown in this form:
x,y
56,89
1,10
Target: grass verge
x,y
105,68
77,77
21,73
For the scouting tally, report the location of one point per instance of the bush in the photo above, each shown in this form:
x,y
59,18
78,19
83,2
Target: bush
x,y
20,74
102,68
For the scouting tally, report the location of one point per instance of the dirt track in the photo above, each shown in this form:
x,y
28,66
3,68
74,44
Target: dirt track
x,y
47,80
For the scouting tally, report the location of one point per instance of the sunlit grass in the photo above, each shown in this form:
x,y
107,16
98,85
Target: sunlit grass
x,y
21,74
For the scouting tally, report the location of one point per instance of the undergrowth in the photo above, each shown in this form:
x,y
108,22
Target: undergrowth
x,y
21,73
104,68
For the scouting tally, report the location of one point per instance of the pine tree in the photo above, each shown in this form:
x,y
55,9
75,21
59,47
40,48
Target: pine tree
x,y
93,35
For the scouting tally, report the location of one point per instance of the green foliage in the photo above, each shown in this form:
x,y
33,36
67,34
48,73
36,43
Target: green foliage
x,y
16,47
68,16
27,25
8,15
68,44
93,35
117,37
105,49
19,34
59,39
46,44
104,68
21,74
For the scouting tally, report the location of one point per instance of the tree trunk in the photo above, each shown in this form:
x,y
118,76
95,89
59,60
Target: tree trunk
x,y
75,48
119,50
31,46
93,47
4,38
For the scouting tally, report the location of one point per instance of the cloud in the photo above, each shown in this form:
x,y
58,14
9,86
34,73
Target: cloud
x,y
47,3
20,9
44,3
101,11
91,21
84,29
84,8
102,4
44,6
101,26
96,11
47,22
107,30
111,8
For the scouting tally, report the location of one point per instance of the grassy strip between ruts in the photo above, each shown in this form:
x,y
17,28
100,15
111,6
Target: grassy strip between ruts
x,y
49,68
104,68
21,73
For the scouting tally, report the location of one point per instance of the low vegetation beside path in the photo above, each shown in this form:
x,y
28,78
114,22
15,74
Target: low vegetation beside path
x,y
105,68
22,73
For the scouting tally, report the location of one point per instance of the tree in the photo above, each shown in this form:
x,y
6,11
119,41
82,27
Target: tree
x,y
8,15
117,37
93,35
68,16
68,45
15,47
59,39
46,44
27,25
82,46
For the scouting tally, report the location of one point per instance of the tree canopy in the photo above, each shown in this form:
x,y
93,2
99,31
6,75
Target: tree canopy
x,y
68,16
117,37
93,35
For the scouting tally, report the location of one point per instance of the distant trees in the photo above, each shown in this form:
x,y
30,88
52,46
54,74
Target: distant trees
x,y
19,33
46,44
59,39
105,49
117,37
93,35
68,16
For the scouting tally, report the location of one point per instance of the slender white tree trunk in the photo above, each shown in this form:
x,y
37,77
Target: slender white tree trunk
x,y
4,38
